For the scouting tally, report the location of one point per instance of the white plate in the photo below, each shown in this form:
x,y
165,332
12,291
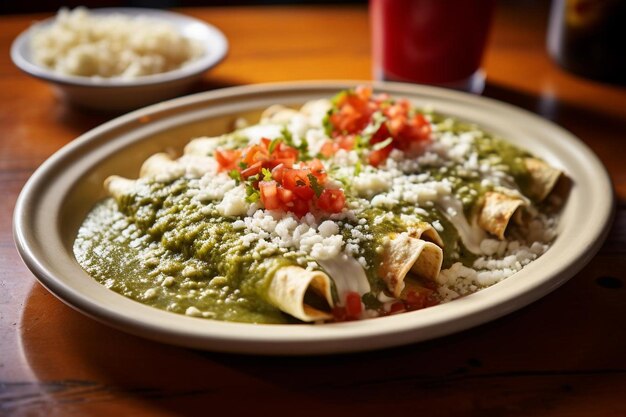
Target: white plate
x,y
59,194
125,94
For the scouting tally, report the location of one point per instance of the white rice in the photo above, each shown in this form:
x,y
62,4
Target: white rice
x,y
83,44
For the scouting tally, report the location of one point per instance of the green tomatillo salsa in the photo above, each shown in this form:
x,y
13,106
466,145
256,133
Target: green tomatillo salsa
x,y
349,208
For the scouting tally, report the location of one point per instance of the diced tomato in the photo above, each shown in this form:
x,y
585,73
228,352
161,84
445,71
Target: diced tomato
x,y
293,178
300,207
269,195
290,189
339,313
353,113
227,158
363,91
255,153
417,300
381,134
286,162
278,172
397,307
252,170
346,142
295,191
304,192
283,151
318,170
259,153
328,149
354,307
379,156
331,201
285,195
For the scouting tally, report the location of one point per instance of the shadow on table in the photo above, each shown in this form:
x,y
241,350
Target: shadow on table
x,y
83,119
564,351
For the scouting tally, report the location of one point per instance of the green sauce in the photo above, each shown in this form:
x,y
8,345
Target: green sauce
x,y
179,262
161,247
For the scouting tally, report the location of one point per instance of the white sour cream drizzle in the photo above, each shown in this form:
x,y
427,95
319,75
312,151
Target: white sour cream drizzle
x,y
471,235
347,273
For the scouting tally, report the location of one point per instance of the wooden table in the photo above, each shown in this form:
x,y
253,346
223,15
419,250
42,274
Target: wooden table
x,y
564,355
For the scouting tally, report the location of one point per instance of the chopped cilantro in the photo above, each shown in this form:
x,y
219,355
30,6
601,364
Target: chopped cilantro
x,y
303,147
273,144
286,134
253,194
267,174
340,96
328,126
370,130
236,175
358,167
317,188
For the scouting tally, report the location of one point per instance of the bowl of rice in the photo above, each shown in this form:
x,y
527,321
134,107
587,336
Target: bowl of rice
x,y
119,59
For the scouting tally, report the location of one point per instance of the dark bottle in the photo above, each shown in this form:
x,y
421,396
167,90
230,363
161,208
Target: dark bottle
x,y
588,37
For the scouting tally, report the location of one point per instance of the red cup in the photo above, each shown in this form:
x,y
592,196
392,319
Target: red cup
x,y
438,42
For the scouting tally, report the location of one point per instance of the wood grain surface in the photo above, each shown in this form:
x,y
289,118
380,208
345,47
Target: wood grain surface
x,y
561,356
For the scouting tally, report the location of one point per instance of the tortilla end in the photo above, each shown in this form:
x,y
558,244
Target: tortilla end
x,y
544,177
428,264
405,253
118,186
497,211
289,286
154,164
277,113
426,231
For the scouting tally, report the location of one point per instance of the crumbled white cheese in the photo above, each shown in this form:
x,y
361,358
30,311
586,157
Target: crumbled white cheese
x,y
234,202
328,228
195,166
193,312
371,183
215,187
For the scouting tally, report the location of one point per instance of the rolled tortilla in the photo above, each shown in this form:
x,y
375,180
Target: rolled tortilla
x,y
118,187
497,211
403,253
288,288
543,178
425,231
161,167
278,114
202,146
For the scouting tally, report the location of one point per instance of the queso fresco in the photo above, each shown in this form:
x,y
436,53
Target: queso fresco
x,y
349,208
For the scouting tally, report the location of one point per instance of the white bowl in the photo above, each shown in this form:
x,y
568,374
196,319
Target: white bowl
x,y
116,94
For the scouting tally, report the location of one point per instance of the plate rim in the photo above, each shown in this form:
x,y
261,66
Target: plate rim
x,y
323,339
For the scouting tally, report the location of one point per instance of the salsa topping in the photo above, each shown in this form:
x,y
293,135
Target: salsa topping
x,y
274,174
359,119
